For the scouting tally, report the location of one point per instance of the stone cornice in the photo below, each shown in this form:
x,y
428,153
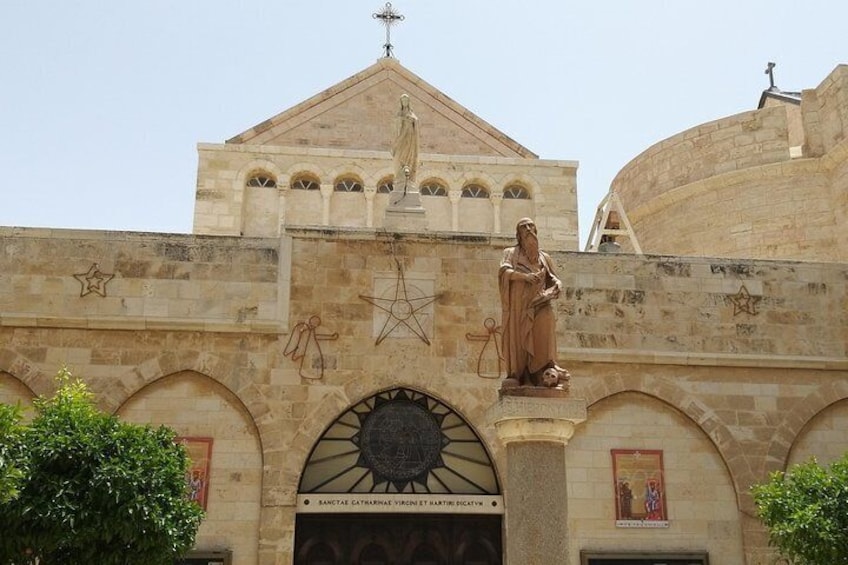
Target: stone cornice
x,y
305,152
703,359
22,320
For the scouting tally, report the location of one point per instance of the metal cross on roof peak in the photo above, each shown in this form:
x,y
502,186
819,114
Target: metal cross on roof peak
x,y
388,17
770,72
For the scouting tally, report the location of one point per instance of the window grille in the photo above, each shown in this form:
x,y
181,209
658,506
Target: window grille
x,y
516,192
433,189
348,185
261,181
474,191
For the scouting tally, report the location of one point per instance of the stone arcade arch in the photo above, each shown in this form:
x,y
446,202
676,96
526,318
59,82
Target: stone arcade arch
x,y
14,391
701,501
399,477
196,405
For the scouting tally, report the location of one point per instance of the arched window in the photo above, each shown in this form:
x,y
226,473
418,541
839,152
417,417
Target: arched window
x,y
474,191
348,184
261,180
433,188
365,449
516,192
305,182
385,186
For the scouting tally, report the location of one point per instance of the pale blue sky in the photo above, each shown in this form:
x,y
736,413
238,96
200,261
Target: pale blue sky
x,y
102,103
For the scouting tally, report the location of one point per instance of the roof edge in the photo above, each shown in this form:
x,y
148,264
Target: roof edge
x,y
384,65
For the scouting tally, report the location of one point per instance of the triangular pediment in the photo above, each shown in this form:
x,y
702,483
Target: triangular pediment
x,y
358,113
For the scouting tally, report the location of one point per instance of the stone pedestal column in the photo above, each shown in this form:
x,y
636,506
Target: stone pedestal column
x,y
535,425
404,212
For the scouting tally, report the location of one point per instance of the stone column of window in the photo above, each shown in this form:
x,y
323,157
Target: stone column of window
x,y
496,198
326,196
283,187
370,192
454,196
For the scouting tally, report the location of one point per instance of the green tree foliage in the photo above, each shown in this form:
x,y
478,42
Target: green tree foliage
x,y
806,512
97,490
12,460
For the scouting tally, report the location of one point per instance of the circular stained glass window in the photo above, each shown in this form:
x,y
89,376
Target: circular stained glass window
x,y
401,441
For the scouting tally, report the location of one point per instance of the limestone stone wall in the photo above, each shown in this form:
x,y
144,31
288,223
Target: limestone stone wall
x,y
669,354
730,144
733,188
89,279
751,419
794,121
14,392
823,437
225,206
839,182
825,113
680,307
770,212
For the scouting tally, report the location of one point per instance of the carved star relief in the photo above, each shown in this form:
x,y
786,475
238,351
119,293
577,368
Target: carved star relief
x,y
402,309
744,302
94,281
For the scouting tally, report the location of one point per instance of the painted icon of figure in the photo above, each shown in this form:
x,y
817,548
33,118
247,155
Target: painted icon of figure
x,y
528,284
653,502
405,150
195,485
625,495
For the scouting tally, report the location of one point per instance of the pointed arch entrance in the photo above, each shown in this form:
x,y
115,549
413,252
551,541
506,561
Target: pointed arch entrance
x,y
399,477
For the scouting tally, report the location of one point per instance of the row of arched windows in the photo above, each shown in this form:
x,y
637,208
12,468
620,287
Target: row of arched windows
x,y
430,187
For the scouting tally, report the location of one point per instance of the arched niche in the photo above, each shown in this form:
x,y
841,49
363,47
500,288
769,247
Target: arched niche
x,y
698,487
823,437
197,406
14,392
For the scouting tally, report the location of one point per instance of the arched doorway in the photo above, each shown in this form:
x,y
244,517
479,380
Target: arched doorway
x,y
399,478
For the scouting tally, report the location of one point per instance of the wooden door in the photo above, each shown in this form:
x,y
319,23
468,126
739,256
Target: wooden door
x,y
392,539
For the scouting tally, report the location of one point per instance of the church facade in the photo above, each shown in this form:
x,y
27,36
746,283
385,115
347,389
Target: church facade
x,y
333,362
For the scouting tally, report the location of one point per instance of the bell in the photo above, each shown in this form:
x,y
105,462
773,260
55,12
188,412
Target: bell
x,y
609,246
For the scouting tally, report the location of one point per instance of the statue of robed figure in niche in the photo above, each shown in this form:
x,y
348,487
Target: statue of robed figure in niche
x,y
528,283
405,154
